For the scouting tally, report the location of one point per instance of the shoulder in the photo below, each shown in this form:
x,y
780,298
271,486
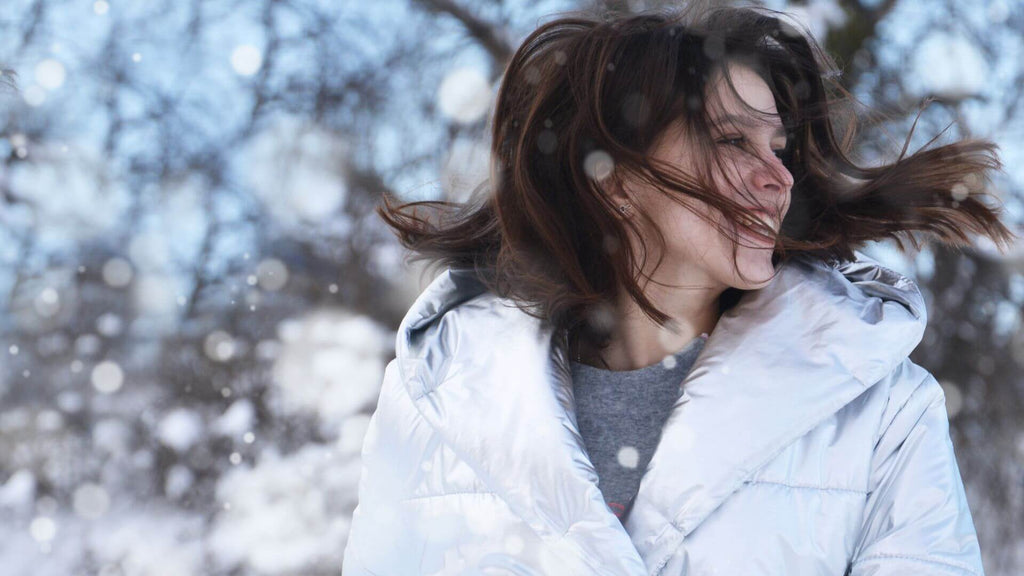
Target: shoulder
x,y
467,335
856,281
911,391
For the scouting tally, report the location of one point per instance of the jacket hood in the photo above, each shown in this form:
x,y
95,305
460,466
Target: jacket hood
x,y
484,374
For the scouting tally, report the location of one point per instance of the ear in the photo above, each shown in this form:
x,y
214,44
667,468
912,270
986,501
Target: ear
x,y
620,196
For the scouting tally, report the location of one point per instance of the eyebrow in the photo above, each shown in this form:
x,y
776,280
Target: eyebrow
x,y
747,121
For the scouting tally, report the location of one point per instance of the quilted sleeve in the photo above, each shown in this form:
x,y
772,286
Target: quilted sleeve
x,y
917,520
397,444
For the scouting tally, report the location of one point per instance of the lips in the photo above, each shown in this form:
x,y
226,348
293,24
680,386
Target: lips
x,y
769,217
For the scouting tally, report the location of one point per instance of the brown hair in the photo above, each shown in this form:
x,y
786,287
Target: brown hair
x,y
544,233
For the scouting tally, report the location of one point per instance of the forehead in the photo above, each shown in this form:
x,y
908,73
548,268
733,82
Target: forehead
x,y
750,90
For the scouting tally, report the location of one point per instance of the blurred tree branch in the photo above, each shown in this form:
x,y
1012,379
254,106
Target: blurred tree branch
x,y
491,38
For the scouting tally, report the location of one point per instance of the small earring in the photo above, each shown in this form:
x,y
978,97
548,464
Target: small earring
x,y
625,208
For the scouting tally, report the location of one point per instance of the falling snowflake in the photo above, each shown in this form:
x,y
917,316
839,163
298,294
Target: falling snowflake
x,y
628,457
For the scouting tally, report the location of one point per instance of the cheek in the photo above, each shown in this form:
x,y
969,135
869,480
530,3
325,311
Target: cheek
x,y
729,183
686,231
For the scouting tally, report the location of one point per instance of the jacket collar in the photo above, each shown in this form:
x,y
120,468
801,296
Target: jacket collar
x,y
494,383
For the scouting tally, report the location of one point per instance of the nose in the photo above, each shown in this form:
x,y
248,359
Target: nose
x,y
771,175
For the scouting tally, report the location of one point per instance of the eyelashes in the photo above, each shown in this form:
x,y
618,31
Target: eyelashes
x,y
781,153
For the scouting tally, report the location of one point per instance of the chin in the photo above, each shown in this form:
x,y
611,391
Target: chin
x,y
758,267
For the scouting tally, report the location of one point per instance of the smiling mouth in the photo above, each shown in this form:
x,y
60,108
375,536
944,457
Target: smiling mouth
x,y
764,216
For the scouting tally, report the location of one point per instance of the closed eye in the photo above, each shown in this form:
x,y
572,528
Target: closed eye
x,y
738,141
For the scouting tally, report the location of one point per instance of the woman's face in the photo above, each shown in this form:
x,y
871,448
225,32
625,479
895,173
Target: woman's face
x,y
697,254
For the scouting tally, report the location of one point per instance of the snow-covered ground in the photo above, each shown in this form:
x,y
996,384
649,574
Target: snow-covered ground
x,y
273,512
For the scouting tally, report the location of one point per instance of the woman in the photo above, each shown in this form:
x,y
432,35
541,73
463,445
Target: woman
x,y
736,400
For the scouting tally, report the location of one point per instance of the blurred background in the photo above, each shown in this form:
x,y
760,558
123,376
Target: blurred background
x,y
197,301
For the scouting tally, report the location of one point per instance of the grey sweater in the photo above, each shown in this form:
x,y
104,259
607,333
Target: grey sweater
x,y
621,415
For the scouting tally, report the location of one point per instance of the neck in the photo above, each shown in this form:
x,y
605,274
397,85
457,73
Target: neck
x,y
638,341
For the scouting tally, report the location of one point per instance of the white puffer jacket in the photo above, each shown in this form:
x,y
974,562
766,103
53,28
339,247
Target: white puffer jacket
x,y
805,443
